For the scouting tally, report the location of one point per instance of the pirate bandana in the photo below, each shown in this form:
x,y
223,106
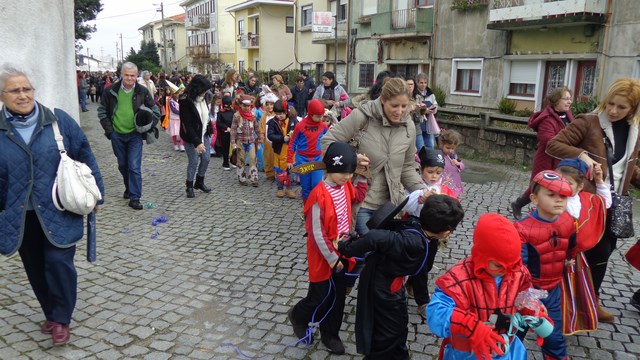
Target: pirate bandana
x,y
340,158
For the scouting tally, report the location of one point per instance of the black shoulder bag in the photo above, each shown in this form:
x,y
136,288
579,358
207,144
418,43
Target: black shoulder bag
x,y
620,214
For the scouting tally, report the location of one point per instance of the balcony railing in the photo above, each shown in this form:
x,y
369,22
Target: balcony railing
x,y
195,22
416,22
249,41
199,51
330,38
527,10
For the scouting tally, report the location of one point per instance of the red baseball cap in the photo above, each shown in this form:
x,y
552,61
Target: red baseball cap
x,y
553,181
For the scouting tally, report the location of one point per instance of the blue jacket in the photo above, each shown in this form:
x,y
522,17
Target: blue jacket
x,y
28,171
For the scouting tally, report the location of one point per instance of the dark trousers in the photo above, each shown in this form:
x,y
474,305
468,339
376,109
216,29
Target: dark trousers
x,y
304,310
128,150
50,270
225,143
598,257
420,282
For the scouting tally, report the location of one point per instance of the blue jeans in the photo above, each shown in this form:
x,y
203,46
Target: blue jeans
x,y
128,150
193,158
427,139
361,220
83,100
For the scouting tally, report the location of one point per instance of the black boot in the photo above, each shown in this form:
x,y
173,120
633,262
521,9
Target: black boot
x,y
200,184
517,205
189,190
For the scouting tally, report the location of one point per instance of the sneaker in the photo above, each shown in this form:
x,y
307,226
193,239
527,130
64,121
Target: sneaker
x,y
290,194
60,334
299,329
233,166
226,167
181,148
280,193
635,300
176,147
243,183
254,183
334,345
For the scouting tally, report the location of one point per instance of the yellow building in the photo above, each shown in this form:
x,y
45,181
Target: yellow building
x,y
176,36
264,34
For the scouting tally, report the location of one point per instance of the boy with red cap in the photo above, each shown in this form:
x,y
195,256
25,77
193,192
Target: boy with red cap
x,y
548,236
304,145
328,219
484,284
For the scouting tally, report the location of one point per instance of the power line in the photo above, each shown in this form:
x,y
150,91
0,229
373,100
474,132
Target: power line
x,y
131,13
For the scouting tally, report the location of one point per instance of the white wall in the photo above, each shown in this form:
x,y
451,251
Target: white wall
x,y
48,55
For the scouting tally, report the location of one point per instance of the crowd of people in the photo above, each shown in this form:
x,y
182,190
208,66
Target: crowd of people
x,y
380,188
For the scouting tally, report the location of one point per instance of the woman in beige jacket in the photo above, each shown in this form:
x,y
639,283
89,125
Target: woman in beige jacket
x,y
616,119
382,130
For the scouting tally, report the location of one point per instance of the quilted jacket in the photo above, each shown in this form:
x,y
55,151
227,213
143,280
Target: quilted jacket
x,y
28,171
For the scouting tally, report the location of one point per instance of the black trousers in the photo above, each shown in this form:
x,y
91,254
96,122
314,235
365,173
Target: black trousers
x,y
50,270
598,257
420,282
304,310
225,143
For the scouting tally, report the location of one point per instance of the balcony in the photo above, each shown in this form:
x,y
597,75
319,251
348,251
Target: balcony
x,y
249,41
407,23
523,14
198,22
330,38
199,51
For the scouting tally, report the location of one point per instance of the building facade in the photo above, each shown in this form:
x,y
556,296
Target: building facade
x,y
264,35
174,30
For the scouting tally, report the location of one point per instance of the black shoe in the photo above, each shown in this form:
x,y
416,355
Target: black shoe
x,y
334,345
516,207
299,329
190,193
126,195
199,184
135,204
635,300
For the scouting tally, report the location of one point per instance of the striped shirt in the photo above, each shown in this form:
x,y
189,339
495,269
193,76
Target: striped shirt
x,y
339,198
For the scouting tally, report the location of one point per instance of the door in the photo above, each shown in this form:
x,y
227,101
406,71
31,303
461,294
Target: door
x,y
555,73
400,14
585,80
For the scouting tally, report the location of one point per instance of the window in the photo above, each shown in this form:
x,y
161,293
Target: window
x,y
319,72
307,13
342,10
636,69
424,2
555,73
240,27
241,66
406,71
289,24
522,80
369,7
466,76
366,75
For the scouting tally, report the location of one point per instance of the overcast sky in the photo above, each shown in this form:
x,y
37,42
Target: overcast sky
x,y
124,17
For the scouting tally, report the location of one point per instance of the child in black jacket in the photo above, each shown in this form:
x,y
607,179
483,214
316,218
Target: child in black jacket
x,y
223,125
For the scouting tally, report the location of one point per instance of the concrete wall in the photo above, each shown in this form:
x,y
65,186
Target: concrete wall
x,y
463,34
276,45
306,51
48,55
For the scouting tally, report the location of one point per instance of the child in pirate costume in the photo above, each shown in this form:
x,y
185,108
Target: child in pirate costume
x,y
548,237
485,283
328,218
381,313
279,131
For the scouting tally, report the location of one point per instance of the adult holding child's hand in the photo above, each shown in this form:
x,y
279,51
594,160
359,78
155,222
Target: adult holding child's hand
x,y
611,132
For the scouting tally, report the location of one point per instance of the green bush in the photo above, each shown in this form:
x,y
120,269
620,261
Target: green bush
x,y
584,106
526,112
507,106
441,95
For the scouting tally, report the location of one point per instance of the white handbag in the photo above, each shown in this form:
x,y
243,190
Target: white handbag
x,y
74,188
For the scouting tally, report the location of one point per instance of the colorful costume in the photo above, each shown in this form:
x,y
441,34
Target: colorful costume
x,y
451,174
469,293
276,132
244,131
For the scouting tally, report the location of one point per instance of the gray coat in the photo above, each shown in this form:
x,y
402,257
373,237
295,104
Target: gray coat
x,y
390,148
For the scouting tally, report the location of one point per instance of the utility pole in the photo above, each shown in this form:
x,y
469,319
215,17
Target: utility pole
x,y
164,38
117,52
121,49
335,45
88,60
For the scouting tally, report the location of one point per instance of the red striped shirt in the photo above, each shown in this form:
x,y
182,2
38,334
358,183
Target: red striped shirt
x,y
339,198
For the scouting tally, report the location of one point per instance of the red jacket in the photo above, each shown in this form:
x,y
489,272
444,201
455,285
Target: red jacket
x,y
547,124
546,247
593,216
481,296
322,227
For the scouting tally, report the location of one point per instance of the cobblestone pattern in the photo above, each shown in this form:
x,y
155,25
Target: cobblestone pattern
x,y
227,266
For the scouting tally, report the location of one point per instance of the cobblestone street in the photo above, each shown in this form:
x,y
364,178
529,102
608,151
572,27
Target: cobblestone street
x,y
226,267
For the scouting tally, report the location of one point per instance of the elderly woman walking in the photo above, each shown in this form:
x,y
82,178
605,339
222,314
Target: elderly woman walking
x,y
30,224
611,131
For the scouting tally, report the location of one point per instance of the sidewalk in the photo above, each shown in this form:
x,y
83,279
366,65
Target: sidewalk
x,y
227,266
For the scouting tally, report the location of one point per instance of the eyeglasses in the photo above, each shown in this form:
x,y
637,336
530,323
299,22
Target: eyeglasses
x,y
18,91
565,98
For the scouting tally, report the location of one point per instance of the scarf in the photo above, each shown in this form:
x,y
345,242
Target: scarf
x,y
248,115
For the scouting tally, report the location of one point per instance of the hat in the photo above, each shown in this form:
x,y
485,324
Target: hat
x,y
495,238
577,164
553,181
315,107
246,100
269,97
340,158
144,119
430,158
381,218
174,88
227,100
280,106
152,135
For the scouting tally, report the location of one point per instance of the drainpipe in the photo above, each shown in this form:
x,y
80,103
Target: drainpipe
x,y
432,71
605,45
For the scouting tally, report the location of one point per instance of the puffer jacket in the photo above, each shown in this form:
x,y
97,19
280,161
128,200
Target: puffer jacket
x,y
28,172
338,90
109,102
390,148
546,124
